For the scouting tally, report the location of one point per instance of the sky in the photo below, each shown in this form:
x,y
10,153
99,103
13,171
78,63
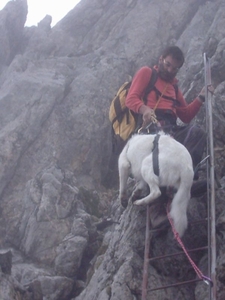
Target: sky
x,y
37,10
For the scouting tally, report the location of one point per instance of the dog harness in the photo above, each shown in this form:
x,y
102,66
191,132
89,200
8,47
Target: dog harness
x,y
155,154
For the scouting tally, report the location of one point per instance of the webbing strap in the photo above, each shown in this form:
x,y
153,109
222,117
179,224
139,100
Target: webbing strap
x,y
199,273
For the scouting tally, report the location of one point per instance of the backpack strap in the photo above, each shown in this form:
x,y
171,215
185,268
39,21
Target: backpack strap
x,y
151,84
176,90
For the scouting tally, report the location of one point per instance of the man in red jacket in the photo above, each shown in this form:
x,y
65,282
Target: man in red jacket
x,y
165,103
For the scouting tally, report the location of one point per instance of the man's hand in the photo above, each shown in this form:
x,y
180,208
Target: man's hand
x,y
148,115
201,95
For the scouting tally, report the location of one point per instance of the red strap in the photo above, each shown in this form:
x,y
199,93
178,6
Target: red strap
x,y
176,235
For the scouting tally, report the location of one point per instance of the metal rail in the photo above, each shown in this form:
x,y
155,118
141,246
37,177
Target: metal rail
x,y
211,176
146,256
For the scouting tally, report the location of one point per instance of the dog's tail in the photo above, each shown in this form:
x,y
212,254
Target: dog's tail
x,y
179,204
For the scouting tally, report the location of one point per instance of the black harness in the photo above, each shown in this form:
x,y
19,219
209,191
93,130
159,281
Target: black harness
x,y
175,101
155,154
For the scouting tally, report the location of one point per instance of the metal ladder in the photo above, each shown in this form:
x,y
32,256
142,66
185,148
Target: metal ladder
x,y
211,210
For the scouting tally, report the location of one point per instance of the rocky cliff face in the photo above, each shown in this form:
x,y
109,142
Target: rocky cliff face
x,y
55,143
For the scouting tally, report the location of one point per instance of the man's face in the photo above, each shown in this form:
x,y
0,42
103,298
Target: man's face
x,y
168,68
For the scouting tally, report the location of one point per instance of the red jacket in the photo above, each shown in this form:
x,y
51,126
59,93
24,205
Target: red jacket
x,y
186,112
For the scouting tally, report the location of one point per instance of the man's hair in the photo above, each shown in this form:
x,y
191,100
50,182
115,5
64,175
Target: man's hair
x,y
175,52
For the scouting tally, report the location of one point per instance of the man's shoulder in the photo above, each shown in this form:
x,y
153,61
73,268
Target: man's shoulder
x,y
144,71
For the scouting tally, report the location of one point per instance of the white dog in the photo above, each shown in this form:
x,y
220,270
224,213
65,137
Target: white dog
x,y
175,170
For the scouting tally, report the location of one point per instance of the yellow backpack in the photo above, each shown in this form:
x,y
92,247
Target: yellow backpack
x,y
122,118
124,121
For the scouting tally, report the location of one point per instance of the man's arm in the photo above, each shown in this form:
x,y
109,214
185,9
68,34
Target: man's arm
x,y
136,93
137,89
186,112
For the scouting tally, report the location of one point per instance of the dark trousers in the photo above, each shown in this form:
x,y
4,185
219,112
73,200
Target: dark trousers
x,y
193,138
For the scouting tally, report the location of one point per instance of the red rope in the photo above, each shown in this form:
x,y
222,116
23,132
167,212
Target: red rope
x,y
176,235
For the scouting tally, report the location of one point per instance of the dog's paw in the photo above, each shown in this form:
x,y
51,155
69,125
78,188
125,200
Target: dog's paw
x,y
124,201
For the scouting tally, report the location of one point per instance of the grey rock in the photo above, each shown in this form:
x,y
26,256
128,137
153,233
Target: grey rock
x,y
55,145
6,262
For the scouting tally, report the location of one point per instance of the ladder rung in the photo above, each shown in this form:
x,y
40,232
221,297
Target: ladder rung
x,y
178,253
190,223
174,285
199,221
